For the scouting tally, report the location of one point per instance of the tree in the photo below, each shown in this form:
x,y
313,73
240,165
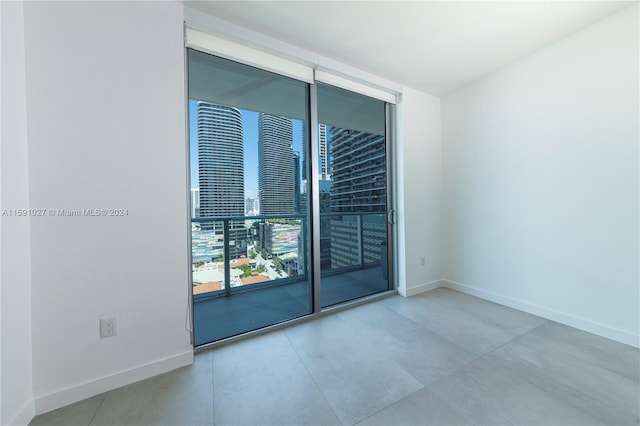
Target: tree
x,y
246,271
252,254
261,268
277,263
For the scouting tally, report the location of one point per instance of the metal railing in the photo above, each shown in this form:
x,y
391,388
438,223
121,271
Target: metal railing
x,y
356,241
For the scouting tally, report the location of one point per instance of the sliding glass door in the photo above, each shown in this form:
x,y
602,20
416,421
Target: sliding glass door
x,y
254,178
250,215
352,156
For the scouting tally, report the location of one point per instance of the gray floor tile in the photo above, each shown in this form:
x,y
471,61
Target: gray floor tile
x,y
595,407
261,381
607,396
423,353
78,414
613,356
444,319
487,312
484,390
354,377
181,397
420,408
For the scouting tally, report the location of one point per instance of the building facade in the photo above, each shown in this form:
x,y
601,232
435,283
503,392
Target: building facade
x,y
275,165
323,152
252,206
221,171
297,208
358,190
195,202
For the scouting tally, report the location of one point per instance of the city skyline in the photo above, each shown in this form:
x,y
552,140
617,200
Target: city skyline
x,y
352,172
250,144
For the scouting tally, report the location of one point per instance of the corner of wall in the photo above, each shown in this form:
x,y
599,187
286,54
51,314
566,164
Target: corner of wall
x,y
71,394
422,288
398,155
16,368
419,191
24,415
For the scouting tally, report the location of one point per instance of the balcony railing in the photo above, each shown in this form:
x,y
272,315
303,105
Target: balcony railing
x,y
239,253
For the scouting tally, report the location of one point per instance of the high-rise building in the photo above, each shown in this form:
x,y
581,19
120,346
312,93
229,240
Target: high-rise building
x,y
251,206
358,171
305,142
325,223
195,202
323,152
275,165
296,182
358,185
221,171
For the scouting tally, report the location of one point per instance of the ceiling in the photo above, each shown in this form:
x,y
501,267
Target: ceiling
x,y
433,46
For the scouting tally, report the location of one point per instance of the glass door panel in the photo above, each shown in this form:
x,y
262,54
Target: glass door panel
x,y
250,215
352,164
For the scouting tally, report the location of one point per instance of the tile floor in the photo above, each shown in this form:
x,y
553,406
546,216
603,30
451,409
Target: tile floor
x,y
439,358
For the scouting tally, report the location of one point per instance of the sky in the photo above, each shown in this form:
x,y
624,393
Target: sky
x,y
250,136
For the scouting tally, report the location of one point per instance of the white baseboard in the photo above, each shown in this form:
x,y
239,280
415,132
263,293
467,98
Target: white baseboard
x,y
420,288
603,330
24,416
86,390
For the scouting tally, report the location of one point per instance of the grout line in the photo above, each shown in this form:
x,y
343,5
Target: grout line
x,y
517,336
98,409
311,376
357,330
483,355
391,405
541,371
428,329
437,335
477,355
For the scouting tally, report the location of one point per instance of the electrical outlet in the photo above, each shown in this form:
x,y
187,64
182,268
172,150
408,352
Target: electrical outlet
x,y
423,261
107,327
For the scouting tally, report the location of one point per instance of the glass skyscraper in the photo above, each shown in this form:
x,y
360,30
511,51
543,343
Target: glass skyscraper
x,y
323,153
276,185
358,175
221,170
358,171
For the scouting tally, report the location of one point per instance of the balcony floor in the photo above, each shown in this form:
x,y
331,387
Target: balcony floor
x,y
221,317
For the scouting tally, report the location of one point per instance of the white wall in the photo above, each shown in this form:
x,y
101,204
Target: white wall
x,y
16,405
540,166
106,114
418,191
